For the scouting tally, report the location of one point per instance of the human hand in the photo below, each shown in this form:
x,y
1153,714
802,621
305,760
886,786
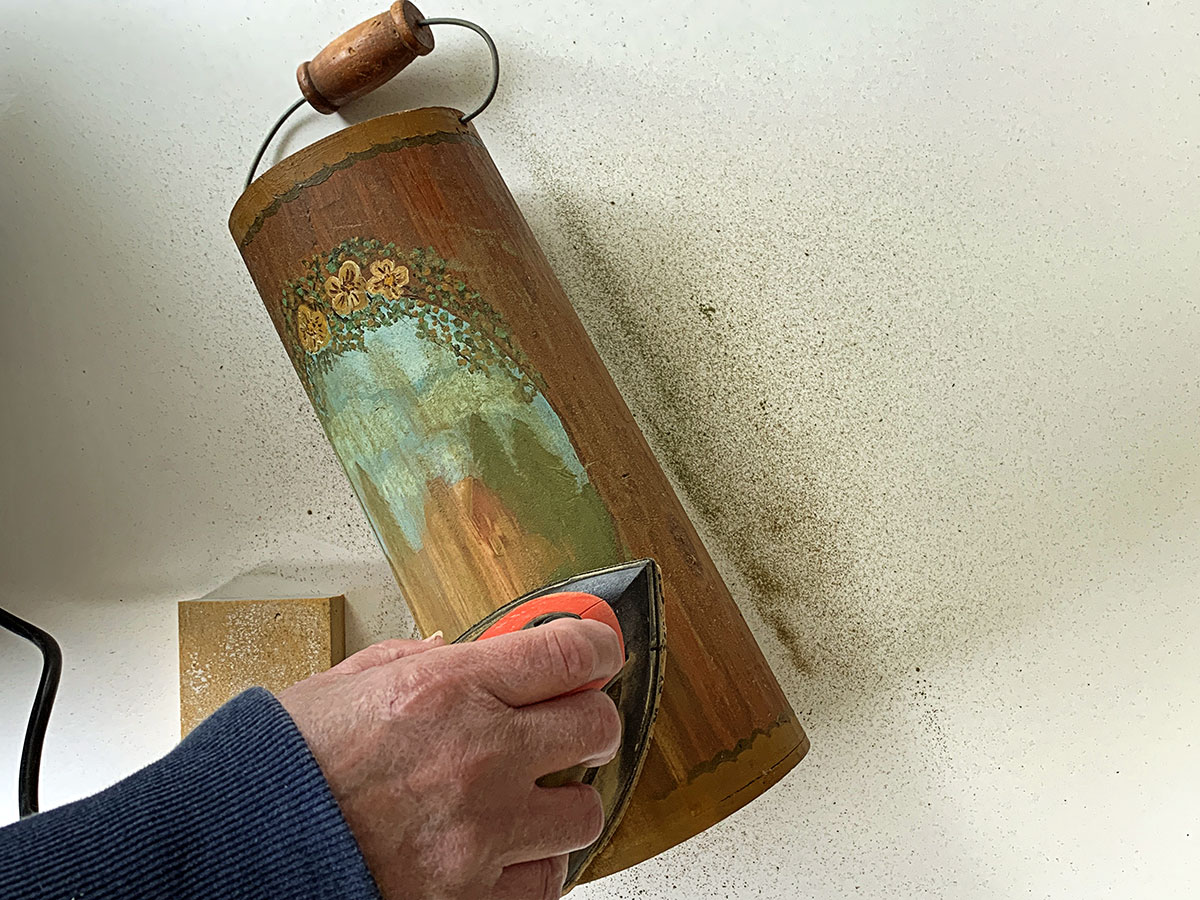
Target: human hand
x,y
433,750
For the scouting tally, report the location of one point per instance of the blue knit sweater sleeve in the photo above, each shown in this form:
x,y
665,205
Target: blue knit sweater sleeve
x,y
238,810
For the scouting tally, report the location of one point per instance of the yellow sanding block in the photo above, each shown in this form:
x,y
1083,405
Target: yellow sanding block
x,y
226,646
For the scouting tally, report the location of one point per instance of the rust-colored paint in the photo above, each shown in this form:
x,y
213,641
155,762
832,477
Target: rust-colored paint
x,y
421,179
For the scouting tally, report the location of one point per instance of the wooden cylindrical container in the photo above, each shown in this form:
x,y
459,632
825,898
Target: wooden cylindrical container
x,y
487,442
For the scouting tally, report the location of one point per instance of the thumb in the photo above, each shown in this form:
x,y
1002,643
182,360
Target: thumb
x,y
386,652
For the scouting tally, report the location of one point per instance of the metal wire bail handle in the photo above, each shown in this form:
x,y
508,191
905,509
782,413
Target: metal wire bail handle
x,y
491,49
467,117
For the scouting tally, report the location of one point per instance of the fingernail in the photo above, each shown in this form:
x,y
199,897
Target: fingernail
x,y
436,636
600,761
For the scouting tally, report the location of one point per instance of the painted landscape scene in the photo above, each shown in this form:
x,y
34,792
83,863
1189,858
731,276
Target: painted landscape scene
x,y
463,468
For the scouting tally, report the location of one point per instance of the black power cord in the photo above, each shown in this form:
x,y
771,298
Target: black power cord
x,y
39,716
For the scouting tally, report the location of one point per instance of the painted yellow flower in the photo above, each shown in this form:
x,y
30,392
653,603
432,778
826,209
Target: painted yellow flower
x,y
312,328
387,278
346,290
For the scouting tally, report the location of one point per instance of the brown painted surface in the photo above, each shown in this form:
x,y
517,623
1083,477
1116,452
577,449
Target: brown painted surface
x,y
725,732
226,646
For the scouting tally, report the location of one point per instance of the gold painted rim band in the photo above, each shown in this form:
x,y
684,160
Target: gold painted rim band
x,y
287,179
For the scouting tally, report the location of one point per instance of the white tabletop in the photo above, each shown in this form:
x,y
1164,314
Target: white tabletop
x,y
905,296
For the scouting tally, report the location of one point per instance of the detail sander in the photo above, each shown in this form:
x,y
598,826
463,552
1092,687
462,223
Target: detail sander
x,y
628,599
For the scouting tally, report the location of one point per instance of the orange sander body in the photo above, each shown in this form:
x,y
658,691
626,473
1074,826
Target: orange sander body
x,y
564,605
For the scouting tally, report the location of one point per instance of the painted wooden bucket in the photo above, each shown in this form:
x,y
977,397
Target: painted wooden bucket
x,y
486,440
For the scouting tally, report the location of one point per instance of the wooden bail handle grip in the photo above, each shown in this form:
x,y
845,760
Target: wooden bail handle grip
x,y
368,55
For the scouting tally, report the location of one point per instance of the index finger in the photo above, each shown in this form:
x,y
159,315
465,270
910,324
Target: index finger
x,y
545,662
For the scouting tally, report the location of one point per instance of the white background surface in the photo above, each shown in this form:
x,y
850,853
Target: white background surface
x,y
904,294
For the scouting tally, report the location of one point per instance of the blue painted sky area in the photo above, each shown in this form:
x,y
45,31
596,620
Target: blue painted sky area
x,y
401,411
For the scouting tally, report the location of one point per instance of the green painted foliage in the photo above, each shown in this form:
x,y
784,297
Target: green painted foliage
x,y
439,303
545,496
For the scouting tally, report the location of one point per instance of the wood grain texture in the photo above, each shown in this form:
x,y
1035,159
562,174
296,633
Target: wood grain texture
x,y
365,57
725,732
227,646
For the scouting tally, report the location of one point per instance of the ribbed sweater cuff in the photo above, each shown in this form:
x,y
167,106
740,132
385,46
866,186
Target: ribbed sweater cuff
x,y
238,810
